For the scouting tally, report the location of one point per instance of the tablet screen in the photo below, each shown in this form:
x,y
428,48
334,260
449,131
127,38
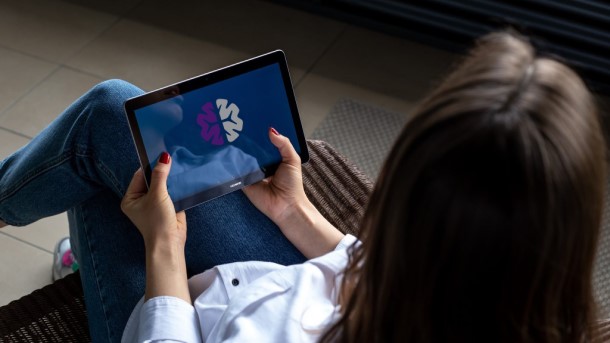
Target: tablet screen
x,y
218,134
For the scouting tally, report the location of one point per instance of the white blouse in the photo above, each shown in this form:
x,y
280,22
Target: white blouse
x,y
248,302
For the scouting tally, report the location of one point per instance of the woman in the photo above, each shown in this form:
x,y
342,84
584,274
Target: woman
x,y
500,180
482,226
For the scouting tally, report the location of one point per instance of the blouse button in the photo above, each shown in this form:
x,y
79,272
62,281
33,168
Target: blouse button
x,y
235,282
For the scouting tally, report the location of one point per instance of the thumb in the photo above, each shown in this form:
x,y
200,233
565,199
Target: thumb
x,y
158,178
283,144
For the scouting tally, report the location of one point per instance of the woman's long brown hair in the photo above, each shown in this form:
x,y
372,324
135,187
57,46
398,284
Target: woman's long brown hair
x,y
483,223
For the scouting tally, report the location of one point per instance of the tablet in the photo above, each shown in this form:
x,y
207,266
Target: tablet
x,y
216,128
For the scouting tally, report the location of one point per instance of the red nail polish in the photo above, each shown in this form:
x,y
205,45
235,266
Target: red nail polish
x,y
164,158
274,131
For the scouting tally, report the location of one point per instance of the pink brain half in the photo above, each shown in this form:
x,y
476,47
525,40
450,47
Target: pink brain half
x,y
210,126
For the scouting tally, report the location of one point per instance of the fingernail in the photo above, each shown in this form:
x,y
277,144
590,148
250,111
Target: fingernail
x,y
164,158
274,131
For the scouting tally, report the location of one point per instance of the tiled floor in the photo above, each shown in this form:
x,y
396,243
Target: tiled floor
x,y
51,51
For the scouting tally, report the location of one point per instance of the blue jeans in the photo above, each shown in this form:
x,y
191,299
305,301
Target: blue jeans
x,y
82,163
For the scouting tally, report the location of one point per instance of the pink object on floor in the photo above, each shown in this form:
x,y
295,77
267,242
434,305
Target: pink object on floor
x,y
67,259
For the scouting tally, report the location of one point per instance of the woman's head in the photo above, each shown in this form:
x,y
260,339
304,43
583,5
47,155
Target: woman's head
x,y
484,220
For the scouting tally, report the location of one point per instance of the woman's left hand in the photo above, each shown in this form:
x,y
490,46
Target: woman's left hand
x,y
280,194
163,230
282,198
152,210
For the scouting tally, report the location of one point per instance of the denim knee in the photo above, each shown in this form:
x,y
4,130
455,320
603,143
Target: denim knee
x,y
111,86
106,102
112,93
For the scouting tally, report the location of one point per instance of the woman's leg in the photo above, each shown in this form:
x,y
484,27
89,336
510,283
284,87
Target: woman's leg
x,y
83,163
86,149
84,153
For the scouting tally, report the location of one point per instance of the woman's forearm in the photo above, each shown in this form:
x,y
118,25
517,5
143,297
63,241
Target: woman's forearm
x,y
309,231
166,271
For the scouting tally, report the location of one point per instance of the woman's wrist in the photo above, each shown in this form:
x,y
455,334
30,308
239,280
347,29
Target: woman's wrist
x,y
164,249
308,230
164,242
166,270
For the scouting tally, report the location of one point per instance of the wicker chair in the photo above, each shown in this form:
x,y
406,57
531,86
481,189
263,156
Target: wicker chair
x,y
56,313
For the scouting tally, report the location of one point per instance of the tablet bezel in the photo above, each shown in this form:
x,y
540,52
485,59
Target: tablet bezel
x,y
204,80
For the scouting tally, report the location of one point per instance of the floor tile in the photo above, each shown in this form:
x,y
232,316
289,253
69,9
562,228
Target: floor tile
x,y
52,30
43,233
253,27
384,64
150,57
24,269
296,74
47,100
316,95
116,7
10,142
19,74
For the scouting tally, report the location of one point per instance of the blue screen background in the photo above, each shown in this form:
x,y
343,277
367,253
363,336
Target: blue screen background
x,y
262,101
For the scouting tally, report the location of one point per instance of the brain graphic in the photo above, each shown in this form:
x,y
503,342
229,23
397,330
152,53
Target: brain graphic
x,y
220,122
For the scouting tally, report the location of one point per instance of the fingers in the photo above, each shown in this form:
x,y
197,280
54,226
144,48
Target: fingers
x,y
258,187
158,179
137,184
283,144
